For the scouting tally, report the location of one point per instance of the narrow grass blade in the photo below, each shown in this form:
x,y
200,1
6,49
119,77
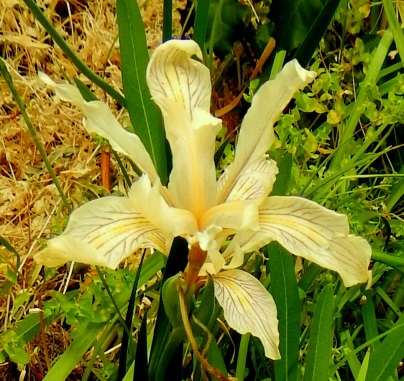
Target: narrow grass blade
x,y
167,19
6,75
127,333
320,341
364,368
369,320
394,25
386,358
141,370
40,16
74,353
370,79
201,22
286,295
354,363
316,32
144,114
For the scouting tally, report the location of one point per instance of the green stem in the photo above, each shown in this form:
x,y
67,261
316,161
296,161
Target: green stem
x,y
242,356
40,16
39,146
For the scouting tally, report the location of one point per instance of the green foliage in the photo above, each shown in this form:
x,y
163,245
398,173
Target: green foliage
x,y
337,143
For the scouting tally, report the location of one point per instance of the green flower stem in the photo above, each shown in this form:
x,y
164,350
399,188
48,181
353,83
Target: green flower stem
x,y
242,356
371,78
39,15
39,146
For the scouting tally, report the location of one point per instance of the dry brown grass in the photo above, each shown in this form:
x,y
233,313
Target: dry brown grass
x,y
30,206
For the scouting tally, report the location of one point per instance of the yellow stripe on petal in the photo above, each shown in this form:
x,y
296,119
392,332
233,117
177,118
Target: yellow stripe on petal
x,y
248,307
181,86
255,183
313,232
256,132
102,232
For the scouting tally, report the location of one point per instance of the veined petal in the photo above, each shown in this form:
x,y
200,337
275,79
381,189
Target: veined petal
x,y
148,200
102,232
248,307
256,132
235,215
254,183
315,233
100,120
172,74
181,87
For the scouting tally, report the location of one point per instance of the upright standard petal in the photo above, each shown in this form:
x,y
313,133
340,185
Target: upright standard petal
x,y
313,232
100,120
256,132
181,87
102,232
255,183
248,307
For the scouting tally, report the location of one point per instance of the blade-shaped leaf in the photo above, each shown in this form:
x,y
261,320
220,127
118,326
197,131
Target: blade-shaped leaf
x,y
144,113
286,295
320,341
386,358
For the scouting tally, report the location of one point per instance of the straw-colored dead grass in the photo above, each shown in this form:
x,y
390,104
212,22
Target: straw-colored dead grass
x,y
30,206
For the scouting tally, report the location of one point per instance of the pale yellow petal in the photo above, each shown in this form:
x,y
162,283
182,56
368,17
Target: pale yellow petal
x,y
102,232
311,231
254,183
148,200
256,132
181,87
248,307
100,120
235,215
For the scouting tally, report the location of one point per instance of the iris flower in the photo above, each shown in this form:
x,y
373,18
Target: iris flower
x,y
234,210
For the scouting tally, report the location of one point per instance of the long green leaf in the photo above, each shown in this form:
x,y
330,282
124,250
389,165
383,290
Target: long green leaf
x,y
386,358
285,292
301,24
394,24
144,114
316,32
320,341
176,262
74,353
369,319
201,22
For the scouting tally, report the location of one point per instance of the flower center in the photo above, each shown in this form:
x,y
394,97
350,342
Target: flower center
x,y
196,259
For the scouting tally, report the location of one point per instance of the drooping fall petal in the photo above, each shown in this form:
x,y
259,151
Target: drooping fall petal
x,y
256,132
313,232
248,307
100,120
181,86
102,232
